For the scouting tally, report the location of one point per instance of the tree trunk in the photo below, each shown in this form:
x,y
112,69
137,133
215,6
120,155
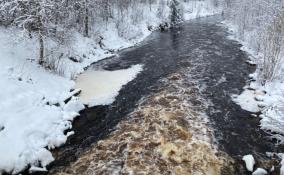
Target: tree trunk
x,y
41,42
86,21
41,49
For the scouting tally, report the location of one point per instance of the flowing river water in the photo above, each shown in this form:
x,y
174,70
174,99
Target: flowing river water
x,y
177,116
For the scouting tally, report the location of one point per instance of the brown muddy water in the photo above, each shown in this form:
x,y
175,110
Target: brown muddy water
x,y
177,116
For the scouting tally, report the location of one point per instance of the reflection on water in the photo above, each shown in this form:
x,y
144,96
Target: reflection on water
x,y
167,134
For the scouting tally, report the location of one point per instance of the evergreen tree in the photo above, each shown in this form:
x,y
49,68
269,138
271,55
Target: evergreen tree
x,y
176,12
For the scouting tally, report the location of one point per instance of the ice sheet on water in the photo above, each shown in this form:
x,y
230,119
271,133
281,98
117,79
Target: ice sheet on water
x,y
100,87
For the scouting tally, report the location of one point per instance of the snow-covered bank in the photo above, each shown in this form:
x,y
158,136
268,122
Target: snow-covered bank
x,y
258,26
266,99
269,100
256,97
33,115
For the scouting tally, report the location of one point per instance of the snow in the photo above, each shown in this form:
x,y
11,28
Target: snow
x,y
100,87
267,99
281,155
259,171
33,115
37,169
28,123
199,9
247,101
272,169
249,161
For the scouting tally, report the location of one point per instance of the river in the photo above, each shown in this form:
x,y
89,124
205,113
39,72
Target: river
x,y
177,116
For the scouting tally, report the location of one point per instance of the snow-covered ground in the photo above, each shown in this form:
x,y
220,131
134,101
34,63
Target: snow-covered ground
x,y
198,9
33,115
28,124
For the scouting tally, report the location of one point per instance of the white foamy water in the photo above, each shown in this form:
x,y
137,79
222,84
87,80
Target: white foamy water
x,y
101,87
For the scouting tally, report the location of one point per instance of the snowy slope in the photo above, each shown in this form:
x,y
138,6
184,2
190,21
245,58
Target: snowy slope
x,y
33,115
27,123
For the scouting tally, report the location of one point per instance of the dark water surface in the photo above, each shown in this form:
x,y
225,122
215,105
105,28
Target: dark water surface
x,y
216,62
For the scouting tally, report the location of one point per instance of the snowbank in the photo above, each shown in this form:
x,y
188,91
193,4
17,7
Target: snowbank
x,y
249,161
29,122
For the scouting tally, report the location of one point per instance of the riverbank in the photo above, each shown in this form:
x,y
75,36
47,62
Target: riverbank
x,y
265,101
